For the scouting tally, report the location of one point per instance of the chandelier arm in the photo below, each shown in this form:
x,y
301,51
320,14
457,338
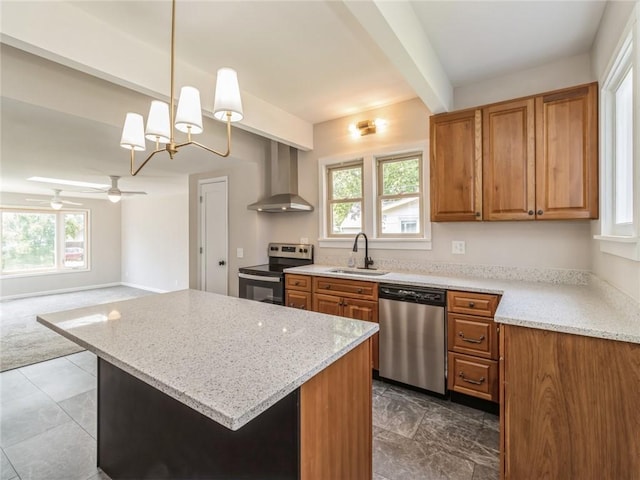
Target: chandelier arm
x,y
204,147
133,156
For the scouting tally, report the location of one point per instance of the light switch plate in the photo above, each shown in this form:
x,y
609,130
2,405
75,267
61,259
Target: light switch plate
x,y
458,247
239,252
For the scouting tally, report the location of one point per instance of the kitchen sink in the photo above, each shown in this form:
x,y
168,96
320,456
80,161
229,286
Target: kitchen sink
x,y
353,271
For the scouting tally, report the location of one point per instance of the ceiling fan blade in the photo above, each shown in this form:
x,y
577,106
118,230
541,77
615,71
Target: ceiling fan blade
x,y
132,193
70,203
94,190
37,200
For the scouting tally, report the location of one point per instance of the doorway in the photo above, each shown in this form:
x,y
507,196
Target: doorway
x,y
214,234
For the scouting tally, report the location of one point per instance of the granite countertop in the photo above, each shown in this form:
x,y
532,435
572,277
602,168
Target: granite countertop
x,y
228,358
595,310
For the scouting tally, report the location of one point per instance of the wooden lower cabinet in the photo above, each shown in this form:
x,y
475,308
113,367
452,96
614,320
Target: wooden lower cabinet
x,y
473,376
348,298
569,406
297,291
295,299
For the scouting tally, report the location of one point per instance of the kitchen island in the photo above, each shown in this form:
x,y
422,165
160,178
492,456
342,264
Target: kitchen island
x,y
198,385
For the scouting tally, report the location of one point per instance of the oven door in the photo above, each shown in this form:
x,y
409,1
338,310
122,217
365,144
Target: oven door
x,y
261,288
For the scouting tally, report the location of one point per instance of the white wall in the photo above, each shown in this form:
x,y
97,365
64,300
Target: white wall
x,y
247,229
104,221
155,241
552,76
620,272
526,244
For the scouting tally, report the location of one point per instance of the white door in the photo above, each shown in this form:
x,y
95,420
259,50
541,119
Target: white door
x,y
213,235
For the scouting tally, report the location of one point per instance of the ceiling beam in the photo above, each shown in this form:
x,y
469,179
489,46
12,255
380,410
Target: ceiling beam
x,y
63,33
394,27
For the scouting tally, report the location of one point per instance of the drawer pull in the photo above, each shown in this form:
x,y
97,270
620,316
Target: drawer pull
x,y
359,290
296,283
471,304
471,340
328,287
470,380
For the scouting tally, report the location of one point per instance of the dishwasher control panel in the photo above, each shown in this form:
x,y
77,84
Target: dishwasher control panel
x,y
407,293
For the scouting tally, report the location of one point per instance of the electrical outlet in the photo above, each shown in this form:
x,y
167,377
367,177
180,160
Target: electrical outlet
x,y
458,247
239,252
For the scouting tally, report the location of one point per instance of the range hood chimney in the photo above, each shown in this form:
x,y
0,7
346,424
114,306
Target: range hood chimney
x,y
282,173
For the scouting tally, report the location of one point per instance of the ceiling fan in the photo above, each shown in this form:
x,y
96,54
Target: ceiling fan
x,y
56,202
114,193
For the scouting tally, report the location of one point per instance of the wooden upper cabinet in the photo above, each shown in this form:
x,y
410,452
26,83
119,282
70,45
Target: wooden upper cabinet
x,y
534,158
567,153
508,163
456,166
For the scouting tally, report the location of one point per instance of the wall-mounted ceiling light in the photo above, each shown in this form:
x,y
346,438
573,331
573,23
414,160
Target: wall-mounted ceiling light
x,y
188,117
367,127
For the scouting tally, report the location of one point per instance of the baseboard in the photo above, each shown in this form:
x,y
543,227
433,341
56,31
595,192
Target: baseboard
x,y
79,289
143,287
61,290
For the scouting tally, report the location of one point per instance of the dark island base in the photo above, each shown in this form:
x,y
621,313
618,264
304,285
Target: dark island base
x,y
145,434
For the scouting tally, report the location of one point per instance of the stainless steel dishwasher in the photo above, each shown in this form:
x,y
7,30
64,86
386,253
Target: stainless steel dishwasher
x,y
413,336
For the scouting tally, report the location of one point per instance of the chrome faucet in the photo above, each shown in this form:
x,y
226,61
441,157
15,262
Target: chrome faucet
x,y
367,259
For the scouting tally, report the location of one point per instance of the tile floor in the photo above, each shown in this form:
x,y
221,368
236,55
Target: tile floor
x,y
48,429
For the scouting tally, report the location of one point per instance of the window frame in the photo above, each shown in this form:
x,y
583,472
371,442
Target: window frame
x,y
370,208
620,239
380,196
59,241
332,201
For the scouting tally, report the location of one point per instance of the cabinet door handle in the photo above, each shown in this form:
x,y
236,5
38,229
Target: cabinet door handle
x,y
470,340
530,212
470,380
472,304
477,214
539,212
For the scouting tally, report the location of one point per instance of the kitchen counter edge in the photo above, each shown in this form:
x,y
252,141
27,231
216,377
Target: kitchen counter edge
x,y
595,310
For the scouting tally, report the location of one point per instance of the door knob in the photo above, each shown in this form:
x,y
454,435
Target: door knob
x,y
222,262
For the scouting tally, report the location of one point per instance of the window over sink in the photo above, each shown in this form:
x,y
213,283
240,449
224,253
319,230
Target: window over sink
x,y
382,193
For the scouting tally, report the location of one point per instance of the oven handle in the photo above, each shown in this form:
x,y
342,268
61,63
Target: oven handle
x,y
259,278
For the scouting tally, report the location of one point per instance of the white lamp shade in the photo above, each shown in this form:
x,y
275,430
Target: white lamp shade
x,y
56,204
158,128
227,98
133,132
114,197
189,112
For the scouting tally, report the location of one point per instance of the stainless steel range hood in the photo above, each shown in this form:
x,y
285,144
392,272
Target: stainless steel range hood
x,y
282,175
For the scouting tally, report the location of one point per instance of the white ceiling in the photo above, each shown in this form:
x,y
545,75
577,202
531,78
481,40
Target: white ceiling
x,y
316,60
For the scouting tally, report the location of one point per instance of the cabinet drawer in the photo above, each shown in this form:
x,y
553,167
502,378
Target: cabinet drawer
x,y
473,335
473,376
482,304
297,282
345,288
296,299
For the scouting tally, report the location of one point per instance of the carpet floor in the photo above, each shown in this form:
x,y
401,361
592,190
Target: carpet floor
x,y
23,341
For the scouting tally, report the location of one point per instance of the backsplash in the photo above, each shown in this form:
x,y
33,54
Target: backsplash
x,y
497,272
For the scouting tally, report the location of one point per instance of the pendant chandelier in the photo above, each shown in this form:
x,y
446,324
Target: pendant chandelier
x,y
188,117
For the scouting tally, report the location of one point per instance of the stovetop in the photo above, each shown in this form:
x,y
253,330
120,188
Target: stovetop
x,y
281,256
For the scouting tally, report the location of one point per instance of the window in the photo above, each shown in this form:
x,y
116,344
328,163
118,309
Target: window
x,y
345,199
399,195
620,154
382,193
42,241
